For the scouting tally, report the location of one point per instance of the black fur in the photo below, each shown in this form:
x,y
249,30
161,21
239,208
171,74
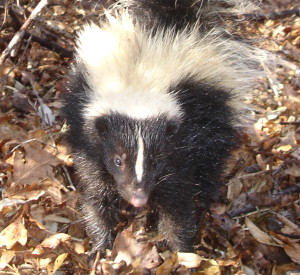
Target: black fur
x,y
184,162
183,158
181,13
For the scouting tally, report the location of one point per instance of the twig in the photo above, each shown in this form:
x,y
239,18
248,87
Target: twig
x,y
275,85
290,123
20,34
243,210
272,16
68,178
19,62
50,45
43,42
252,210
5,4
24,142
93,271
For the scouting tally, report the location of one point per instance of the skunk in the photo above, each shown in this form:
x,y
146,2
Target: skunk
x,y
155,102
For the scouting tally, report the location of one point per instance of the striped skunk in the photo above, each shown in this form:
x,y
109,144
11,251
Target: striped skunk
x,y
154,105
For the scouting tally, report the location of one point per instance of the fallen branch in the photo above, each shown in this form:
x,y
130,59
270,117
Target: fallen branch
x,y
20,34
43,42
273,199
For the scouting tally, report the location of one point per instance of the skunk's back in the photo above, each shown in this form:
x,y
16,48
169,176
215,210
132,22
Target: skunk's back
x,y
145,49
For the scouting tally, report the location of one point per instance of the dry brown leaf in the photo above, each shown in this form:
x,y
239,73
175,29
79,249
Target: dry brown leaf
x,y
258,234
37,213
286,269
261,163
165,268
6,257
293,251
56,218
284,148
296,154
190,260
43,263
212,268
51,243
293,171
6,205
53,189
36,222
57,263
289,226
271,115
11,131
128,248
234,188
28,195
14,233
36,165
64,154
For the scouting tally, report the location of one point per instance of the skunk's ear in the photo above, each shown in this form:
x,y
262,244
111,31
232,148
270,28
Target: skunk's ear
x,y
172,127
101,125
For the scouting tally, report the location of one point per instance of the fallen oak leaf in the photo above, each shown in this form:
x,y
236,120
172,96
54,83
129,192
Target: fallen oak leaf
x,y
14,233
36,165
50,243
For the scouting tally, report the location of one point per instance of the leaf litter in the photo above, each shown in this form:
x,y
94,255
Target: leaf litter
x,y
253,228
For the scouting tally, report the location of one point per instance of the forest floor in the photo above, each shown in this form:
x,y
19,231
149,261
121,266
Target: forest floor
x,y
253,229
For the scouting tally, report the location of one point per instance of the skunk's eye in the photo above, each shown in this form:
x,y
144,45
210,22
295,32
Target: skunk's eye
x,y
118,162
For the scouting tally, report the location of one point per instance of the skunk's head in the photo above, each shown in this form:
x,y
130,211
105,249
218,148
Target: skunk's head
x,y
133,153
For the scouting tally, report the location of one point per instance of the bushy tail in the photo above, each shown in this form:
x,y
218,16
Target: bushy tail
x,y
209,14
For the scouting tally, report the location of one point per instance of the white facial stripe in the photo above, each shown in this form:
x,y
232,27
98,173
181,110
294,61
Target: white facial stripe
x,y
140,159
